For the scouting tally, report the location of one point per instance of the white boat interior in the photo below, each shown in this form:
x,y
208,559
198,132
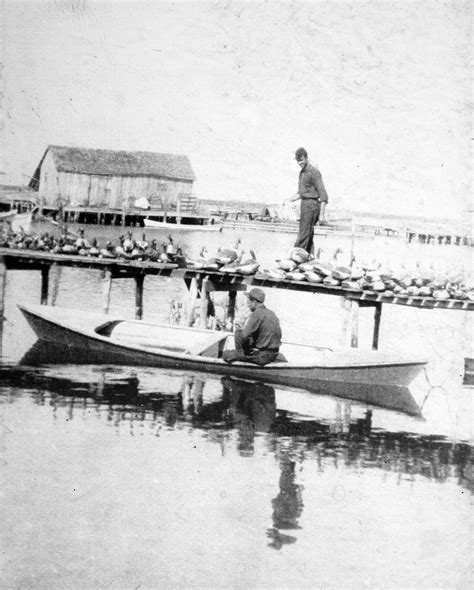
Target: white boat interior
x,y
211,344
168,338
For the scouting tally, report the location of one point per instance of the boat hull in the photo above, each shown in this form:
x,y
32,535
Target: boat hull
x,y
22,222
7,217
332,368
17,221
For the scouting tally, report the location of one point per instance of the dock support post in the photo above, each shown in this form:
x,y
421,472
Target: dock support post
x,y
123,214
178,211
353,232
377,318
56,276
3,283
354,323
231,309
204,307
346,307
44,284
193,290
139,280
106,289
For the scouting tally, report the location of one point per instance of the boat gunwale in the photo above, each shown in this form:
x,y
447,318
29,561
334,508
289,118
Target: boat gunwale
x,y
200,360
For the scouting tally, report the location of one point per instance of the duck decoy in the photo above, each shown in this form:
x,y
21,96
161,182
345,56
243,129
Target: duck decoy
x,y
307,266
94,249
331,282
249,266
313,277
341,273
299,255
277,274
296,275
108,251
286,264
143,244
128,243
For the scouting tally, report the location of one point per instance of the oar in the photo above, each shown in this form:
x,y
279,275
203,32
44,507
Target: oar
x,y
308,346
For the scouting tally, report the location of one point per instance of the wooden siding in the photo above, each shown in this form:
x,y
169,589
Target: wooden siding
x,y
92,190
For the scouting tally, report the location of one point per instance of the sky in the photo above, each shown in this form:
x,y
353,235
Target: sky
x,y
379,93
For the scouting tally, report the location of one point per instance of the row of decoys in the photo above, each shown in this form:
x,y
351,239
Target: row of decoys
x,y
72,244
373,276
226,260
233,259
298,266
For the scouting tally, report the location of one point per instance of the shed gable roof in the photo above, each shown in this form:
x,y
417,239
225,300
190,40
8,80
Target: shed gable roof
x,y
120,163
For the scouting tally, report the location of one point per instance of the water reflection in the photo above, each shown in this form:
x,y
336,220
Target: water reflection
x,y
287,505
242,417
249,409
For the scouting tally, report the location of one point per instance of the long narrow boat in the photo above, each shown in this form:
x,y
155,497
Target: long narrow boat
x,y
137,342
152,224
7,216
22,221
286,227
290,227
17,221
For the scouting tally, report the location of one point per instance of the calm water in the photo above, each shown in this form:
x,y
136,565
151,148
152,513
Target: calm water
x,y
117,477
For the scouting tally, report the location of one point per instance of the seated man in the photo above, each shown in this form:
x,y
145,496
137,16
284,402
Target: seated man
x,y
260,339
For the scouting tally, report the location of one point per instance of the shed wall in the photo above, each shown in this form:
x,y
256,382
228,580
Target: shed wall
x,y
90,190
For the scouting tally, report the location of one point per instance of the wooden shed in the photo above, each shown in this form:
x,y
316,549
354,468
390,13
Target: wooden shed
x,y
106,179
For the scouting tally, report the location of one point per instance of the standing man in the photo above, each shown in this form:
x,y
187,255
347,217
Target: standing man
x,y
313,197
259,341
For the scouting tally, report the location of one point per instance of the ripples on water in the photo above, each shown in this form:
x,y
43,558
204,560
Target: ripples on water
x,y
121,477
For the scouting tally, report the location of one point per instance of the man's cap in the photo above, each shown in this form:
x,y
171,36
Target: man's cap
x,y
256,294
301,153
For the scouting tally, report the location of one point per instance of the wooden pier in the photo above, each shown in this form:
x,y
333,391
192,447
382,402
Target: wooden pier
x,y
442,238
201,283
128,217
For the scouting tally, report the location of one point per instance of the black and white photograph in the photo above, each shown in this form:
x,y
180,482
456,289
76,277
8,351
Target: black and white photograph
x,y
236,295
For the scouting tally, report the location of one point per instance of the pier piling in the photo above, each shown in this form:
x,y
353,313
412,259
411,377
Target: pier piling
x,y
139,281
106,289
346,313
231,309
55,276
44,284
377,319
354,324
204,306
193,291
3,283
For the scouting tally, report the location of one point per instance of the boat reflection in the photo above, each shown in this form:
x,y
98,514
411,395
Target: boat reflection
x,y
390,397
